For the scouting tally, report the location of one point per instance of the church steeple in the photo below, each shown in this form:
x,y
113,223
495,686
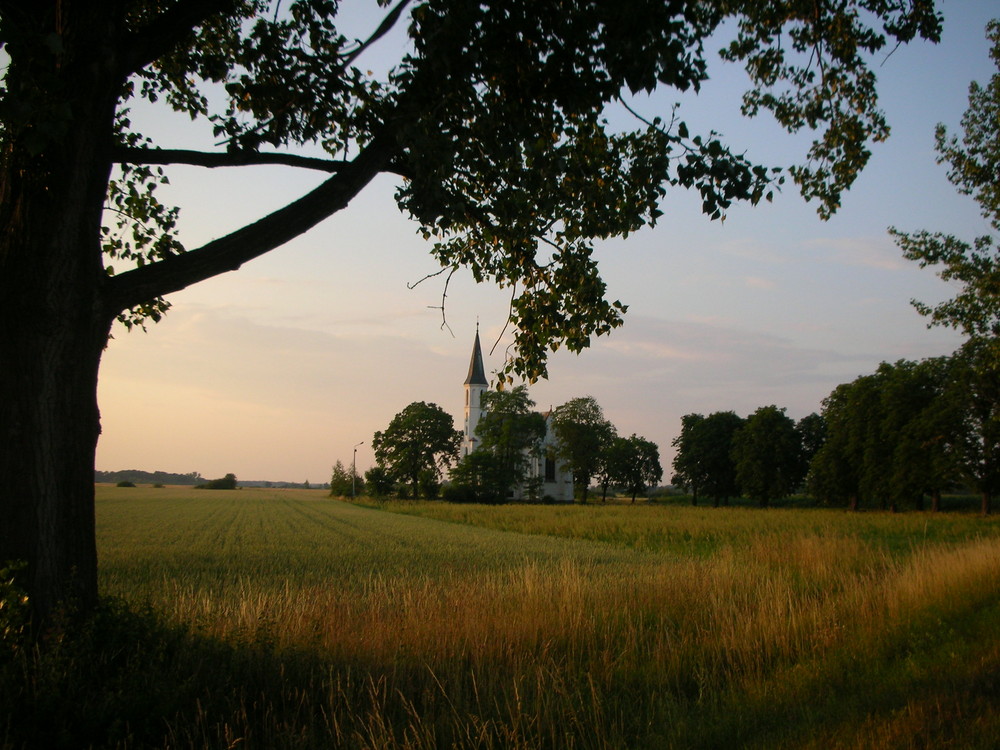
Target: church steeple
x,y
475,385
477,373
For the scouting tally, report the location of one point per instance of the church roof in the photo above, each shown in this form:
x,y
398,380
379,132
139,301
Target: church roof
x,y
477,374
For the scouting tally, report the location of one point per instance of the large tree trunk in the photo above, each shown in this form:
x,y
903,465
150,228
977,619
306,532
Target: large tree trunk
x,y
53,322
49,417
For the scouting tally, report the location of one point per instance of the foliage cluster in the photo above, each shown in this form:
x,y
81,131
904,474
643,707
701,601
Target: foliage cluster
x,y
913,429
511,451
508,444
420,442
910,430
345,482
764,456
227,482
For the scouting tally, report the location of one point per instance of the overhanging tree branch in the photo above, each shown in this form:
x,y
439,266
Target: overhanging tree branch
x,y
230,252
223,159
384,28
164,156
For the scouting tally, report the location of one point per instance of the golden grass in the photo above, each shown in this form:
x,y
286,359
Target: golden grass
x,y
448,634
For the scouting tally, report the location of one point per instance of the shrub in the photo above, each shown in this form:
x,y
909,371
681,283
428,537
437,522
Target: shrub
x,y
228,482
458,493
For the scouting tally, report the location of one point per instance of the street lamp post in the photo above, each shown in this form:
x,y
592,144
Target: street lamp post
x,y
354,469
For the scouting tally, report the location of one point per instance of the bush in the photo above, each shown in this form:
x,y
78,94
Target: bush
x,y
228,482
125,483
458,493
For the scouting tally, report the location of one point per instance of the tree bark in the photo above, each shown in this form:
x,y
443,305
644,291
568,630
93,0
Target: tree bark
x,y
54,329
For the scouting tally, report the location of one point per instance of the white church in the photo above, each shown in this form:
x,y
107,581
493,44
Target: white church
x,y
556,479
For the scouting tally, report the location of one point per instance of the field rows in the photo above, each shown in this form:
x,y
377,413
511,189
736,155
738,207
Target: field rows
x,y
569,627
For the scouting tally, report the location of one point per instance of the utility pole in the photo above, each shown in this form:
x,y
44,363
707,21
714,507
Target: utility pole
x,y
354,470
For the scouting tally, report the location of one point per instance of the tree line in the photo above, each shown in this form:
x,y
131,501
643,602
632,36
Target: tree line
x,y
910,430
896,438
147,477
764,457
421,446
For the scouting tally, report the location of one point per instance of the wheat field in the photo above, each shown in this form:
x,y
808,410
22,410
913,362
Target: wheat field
x,y
310,622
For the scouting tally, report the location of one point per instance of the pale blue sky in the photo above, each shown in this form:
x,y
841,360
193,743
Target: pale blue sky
x,y
277,370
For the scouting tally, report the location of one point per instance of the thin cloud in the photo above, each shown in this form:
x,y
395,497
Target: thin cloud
x,y
868,252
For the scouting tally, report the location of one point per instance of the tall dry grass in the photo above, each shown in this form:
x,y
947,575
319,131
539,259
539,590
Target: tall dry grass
x,y
793,632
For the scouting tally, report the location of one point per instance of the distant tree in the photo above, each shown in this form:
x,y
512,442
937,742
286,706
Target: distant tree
x,y
584,436
688,470
714,443
974,391
510,433
480,477
812,434
340,481
767,454
919,427
832,478
420,438
429,483
892,436
227,482
635,464
378,482
704,460
615,455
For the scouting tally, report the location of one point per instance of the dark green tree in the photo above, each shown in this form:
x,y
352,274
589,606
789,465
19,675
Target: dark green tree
x,y
342,483
378,482
510,440
892,436
812,435
421,438
715,440
480,477
634,464
227,482
767,454
919,426
493,118
583,436
688,470
842,468
704,458
975,394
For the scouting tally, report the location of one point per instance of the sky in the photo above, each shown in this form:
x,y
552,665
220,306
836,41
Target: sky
x,y
278,370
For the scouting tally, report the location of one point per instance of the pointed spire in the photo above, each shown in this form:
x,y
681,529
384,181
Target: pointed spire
x,y
477,373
